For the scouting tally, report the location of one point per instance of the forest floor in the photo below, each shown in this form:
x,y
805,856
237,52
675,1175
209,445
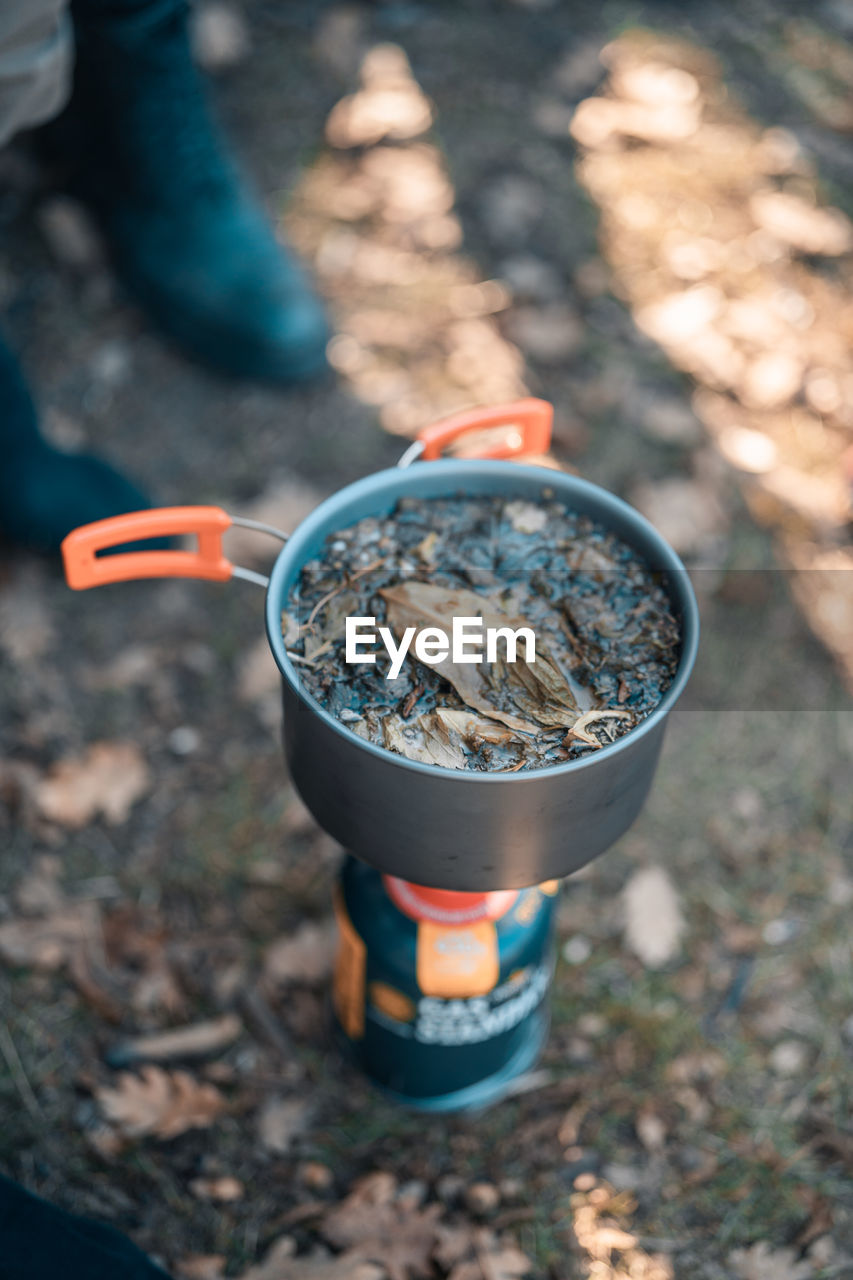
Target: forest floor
x,y
692,1113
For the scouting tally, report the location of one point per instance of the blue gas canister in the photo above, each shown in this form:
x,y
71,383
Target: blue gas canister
x,y
441,997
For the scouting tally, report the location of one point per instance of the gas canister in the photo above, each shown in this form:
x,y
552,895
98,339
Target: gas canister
x,y
441,997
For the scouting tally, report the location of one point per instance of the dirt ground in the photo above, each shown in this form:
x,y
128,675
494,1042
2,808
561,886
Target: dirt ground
x,y
692,1117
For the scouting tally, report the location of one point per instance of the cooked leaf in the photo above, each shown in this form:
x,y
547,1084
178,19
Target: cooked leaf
x,y
471,728
500,690
424,739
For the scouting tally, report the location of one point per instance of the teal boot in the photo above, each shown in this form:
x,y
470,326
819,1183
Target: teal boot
x,y
44,492
188,239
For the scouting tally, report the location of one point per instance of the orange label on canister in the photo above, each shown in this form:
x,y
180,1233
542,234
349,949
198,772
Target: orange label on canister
x,y
457,960
350,973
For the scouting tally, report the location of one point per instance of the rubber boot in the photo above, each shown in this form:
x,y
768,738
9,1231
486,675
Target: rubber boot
x,y
45,492
188,238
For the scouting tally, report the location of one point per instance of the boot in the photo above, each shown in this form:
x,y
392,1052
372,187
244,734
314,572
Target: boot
x,y
45,492
188,239
40,1242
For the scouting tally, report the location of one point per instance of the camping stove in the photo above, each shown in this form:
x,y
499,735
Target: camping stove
x,y
441,997
440,992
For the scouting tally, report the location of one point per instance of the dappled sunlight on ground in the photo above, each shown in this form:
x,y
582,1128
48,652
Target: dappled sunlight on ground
x,y
416,335
721,246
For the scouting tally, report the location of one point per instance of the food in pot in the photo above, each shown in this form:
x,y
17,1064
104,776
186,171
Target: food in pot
x,y
605,640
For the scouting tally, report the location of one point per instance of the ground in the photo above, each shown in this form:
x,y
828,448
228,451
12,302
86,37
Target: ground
x,y
694,1102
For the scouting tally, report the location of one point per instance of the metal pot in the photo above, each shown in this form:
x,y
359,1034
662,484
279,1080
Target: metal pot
x,y
438,827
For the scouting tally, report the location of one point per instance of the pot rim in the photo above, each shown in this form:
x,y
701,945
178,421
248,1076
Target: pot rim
x,y
382,482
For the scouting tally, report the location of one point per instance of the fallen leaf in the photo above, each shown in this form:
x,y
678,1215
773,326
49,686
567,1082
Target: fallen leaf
x,y
201,1266
305,956
496,1262
50,941
158,1102
198,1040
280,1264
654,922
651,1129
397,1235
690,1068
223,1190
109,778
763,1262
281,1120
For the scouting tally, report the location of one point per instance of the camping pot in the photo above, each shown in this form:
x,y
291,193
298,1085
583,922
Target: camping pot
x,y
443,828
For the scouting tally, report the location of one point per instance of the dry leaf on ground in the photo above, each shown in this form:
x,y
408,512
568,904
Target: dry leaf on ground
x,y
493,1260
305,956
280,1264
762,1262
399,1236
50,941
201,1266
223,1190
161,1103
280,1120
653,919
109,778
472,1253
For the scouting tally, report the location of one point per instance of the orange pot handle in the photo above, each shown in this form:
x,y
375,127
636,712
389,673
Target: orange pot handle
x,y
85,568
532,417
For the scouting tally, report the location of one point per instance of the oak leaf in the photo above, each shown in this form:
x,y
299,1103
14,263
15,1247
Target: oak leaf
x,y
395,1234
109,778
280,1264
162,1103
